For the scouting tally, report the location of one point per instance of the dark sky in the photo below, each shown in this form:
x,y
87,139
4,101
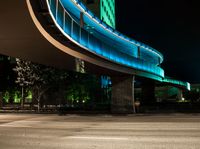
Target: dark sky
x,y
170,26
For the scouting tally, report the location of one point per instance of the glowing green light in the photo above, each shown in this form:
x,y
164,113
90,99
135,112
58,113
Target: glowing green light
x,y
6,97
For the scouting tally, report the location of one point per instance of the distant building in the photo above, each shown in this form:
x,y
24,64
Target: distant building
x,y
104,9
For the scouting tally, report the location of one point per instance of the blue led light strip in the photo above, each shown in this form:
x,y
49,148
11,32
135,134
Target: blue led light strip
x,y
67,21
92,44
114,32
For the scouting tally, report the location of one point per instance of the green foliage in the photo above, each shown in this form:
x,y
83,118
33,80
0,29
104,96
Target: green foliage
x,y
85,90
70,87
77,94
38,78
29,95
16,96
6,96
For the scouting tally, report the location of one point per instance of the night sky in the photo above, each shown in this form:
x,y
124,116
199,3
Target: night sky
x,y
170,26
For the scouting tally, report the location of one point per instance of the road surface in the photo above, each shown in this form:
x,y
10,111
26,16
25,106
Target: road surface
x,y
34,131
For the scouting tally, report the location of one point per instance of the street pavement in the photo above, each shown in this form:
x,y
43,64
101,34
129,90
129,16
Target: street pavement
x,y
160,131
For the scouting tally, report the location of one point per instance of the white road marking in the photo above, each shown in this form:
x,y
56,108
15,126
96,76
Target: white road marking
x,y
97,138
20,124
138,139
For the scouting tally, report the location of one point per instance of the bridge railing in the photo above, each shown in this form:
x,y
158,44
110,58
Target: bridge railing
x,y
177,82
72,29
126,44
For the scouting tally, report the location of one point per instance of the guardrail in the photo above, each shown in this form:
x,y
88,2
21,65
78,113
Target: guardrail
x,y
177,82
125,41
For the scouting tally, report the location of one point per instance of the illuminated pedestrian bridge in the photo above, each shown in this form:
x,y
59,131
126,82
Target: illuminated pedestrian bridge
x,y
82,27
56,32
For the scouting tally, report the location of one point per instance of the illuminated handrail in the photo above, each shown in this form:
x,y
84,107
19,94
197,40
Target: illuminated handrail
x,y
177,82
71,28
125,39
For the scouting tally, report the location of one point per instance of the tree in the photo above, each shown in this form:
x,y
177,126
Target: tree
x,y
48,77
76,87
25,76
37,77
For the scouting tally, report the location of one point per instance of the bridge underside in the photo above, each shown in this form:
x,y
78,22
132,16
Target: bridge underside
x,y
19,37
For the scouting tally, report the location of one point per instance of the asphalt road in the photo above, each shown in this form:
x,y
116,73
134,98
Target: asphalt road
x,y
28,131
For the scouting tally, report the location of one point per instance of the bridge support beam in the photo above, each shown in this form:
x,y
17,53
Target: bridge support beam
x,y
122,94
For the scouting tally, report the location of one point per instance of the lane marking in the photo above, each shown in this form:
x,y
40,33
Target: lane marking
x,y
97,138
15,126
21,123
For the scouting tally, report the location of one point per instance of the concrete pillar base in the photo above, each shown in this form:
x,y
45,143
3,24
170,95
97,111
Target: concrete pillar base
x,y
122,94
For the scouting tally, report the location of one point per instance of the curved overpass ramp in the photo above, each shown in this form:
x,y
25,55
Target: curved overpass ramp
x,y
47,41
55,32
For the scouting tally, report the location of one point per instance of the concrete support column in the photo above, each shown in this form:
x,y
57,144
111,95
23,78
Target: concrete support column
x,y
122,94
148,91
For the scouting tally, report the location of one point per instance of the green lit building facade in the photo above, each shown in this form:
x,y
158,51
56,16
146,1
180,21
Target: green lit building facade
x,y
104,9
107,12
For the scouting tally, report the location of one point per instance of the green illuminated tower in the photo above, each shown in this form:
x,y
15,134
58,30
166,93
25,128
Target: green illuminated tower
x,y
107,12
104,9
